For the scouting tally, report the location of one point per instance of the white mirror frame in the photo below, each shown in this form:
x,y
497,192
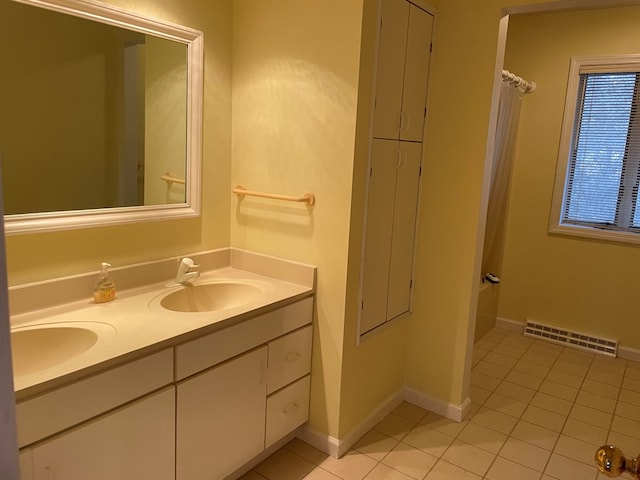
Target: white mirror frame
x,y
193,39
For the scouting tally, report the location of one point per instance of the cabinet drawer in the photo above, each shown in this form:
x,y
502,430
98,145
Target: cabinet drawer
x,y
287,410
289,358
197,355
57,410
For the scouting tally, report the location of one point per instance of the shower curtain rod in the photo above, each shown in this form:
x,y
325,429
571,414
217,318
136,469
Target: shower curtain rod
x,y
516,81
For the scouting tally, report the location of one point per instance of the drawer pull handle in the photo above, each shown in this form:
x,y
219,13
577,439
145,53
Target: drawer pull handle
x,y
292,407
292,356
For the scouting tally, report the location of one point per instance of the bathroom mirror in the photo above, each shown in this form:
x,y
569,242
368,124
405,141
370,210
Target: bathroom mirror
x,y
101,116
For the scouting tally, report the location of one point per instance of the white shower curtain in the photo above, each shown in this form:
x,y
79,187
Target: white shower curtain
x,y
504,151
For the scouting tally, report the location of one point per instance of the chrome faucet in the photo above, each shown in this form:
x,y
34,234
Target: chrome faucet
x,y
186,271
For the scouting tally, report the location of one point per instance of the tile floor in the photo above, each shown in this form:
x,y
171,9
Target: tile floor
x,y
539,411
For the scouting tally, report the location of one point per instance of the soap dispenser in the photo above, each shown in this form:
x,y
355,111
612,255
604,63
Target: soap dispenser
x,y
105,289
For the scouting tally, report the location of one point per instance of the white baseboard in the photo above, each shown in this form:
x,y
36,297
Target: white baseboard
x,y
509,324
448,410
336,447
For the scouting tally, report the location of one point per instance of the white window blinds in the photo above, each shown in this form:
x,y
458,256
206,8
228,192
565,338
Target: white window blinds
x,y
602,175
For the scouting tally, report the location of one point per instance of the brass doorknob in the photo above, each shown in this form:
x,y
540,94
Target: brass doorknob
x,y
612,462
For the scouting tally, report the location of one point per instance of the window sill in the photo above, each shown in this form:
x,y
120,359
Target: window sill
x,y
595,233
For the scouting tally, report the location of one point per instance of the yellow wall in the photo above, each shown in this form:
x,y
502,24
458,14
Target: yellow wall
x,y
580,284
40,256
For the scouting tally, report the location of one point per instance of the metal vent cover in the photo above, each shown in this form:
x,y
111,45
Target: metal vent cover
x,y
569,338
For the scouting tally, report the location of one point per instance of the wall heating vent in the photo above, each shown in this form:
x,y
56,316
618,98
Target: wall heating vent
x,y
571,339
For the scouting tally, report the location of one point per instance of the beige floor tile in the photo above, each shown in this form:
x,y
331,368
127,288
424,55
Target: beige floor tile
x,y
568,469
394,426
410,411
321,474
598,402
408,460
485,343
612,365
506,405
352,466
572,368
428,440
499,359
538,359
494,420
443,424
628,396
503,469
585,432
563,378
551,403
591,415
496,334
531,368
478,353
600,388
382,472
575,449
375,444
576,357
558,390
547,349
612,379
631,384
469,457
628,445
478,395
491,369
483,437
446,471
625,426
509,350
544,418
284,465
252,476
535,435
483,380
632,370
626,410
525,454
524,379
306,451
516,392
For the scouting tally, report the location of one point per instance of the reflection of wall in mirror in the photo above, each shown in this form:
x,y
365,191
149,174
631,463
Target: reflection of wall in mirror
x,y
54,121
165,114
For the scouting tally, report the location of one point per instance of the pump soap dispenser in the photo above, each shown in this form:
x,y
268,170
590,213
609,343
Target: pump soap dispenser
x,y
105,289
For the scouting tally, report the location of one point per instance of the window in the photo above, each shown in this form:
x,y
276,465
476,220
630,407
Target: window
x,y
598,167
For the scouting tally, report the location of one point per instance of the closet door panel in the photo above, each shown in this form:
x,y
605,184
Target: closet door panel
x,y
404,230
416,74
390,69
379,228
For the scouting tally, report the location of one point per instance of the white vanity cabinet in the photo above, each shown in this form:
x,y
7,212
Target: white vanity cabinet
x,y
131,443
116,424
240,390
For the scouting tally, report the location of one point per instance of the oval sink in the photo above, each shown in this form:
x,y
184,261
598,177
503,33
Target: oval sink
x,y
43,347
208,297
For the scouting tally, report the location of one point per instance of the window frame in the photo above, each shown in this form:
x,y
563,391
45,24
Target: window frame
x,y
579,65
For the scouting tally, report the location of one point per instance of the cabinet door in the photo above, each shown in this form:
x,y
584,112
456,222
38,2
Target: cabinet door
x,y
221,418
416,74
390,70
134,442
404,229
379,228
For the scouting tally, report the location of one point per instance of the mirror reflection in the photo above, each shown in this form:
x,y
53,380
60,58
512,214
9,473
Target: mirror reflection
x,y
93,115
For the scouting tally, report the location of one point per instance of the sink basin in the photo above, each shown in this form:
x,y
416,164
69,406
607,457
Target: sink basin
x,y
208,297
44,346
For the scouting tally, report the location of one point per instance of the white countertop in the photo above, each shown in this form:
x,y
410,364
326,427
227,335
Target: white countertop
x,y
135,324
